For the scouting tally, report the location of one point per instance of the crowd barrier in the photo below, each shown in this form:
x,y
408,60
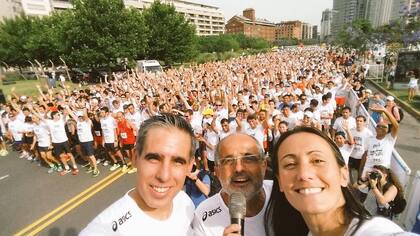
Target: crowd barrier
x,y
398,165
413,204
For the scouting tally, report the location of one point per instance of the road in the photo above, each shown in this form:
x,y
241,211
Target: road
x,y
28,193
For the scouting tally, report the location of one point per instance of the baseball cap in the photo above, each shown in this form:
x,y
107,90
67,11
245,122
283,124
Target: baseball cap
x,y
368,91
390,98
208,111
308,114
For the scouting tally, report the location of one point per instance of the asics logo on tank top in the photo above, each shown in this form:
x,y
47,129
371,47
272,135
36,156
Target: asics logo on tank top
x,y
211,213
121,221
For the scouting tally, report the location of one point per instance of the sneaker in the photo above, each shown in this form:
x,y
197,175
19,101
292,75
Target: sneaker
x,y
23,155
106,163
98,161
75,171
95,173
29,158
3,152
86,165
50,170
59,168
89,170
124,169
114,167
132,170
64,172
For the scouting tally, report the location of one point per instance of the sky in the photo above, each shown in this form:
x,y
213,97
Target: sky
x,y
309,11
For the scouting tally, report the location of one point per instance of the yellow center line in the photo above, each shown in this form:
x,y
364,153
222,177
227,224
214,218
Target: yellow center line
x,y
76,204
64,205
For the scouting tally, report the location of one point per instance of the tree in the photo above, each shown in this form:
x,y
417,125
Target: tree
x,y
102,32
171,38
358,35
14,35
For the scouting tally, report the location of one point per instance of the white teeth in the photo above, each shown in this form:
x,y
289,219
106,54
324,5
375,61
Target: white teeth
x,y
310,190
160,189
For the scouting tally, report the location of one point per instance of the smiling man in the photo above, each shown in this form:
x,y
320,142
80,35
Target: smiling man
x,y
240,167
157,206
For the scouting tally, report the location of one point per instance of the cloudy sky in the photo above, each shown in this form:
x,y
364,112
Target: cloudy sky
x,y
275,10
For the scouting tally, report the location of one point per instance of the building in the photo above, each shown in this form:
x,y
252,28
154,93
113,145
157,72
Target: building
x,y
289,29
379,12
10,8
208,20
249,25
315,32
306,31
344,12
326,24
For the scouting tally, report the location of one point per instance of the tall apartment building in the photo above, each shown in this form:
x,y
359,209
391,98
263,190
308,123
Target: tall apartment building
x,y
207,19
344,12
306,31
379,12
289,29
315,32
326,24
249,25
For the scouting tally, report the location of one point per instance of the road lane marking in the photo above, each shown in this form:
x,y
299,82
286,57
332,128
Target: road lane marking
x,y
65,204
3,177
74,205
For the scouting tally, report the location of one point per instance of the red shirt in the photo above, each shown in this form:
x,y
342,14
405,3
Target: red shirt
x,y
125,133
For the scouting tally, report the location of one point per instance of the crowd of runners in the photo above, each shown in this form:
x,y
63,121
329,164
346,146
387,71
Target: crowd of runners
x,y
262,95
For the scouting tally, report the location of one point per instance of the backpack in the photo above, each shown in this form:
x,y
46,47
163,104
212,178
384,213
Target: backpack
x,y
215,185
398,204
400,111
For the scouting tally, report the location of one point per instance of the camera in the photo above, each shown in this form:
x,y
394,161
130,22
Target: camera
x,y
375,175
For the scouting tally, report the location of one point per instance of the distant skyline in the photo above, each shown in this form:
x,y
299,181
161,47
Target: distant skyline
x,y
309,11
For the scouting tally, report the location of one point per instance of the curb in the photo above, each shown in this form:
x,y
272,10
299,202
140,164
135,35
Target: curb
x,y
400,102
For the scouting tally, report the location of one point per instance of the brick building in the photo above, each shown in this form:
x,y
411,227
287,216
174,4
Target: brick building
x,y
289,29
249,25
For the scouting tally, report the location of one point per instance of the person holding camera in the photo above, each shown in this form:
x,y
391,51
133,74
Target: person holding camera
x,y
385,187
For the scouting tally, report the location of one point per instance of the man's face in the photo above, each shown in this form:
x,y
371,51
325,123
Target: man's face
x,y
162,167
360,122
346,113
246,168
225,127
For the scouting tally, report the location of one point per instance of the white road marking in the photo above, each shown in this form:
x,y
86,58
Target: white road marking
x,y
3,177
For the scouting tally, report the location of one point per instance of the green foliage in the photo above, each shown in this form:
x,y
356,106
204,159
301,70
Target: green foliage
x,y
100,32
230,42
171,37
14,39
358,35
287,42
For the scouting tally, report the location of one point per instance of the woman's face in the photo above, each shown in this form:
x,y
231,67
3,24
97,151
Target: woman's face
x,y
309,174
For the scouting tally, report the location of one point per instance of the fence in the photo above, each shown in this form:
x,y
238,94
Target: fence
x,y
413,200
398,165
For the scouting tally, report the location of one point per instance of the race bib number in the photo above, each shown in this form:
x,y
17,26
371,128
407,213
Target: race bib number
x,y
98,133
123,135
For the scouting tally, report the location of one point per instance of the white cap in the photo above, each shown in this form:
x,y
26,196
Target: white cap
x,y
390,98
308,114
368,91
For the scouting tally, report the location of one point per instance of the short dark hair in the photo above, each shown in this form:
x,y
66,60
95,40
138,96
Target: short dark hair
x,y
164,120
361,116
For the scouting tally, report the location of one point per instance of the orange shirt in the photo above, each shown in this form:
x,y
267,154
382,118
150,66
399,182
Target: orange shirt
x,y
125,133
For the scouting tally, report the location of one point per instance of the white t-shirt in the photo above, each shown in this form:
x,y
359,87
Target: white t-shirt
x,y
108,126
360,142
42,134
84,131
377,226
345,151
212,216
379,152
223,134
326,110
16,127
257,133
57,130
351,122
213,138
124,217
135,119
